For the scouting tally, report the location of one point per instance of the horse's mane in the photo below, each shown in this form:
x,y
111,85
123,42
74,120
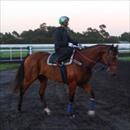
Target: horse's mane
x,y
93,46
99,45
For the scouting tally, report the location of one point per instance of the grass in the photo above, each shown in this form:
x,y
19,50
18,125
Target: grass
x,y
124,58
14,54
8,66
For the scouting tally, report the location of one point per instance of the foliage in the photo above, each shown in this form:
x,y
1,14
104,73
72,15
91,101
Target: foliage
x,y
44,34
125,36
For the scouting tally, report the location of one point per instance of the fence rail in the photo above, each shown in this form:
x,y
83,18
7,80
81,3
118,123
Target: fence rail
x,y
13,53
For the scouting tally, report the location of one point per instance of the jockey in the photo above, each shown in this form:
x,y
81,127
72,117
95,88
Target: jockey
x,y
62,40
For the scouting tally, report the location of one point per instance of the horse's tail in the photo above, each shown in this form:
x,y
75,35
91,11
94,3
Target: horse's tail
x,y
19,77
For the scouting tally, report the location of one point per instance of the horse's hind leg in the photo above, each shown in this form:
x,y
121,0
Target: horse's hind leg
x,y
43,85
25,85
92,104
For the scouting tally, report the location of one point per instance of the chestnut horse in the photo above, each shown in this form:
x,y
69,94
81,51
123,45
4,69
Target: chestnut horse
x,y
78,72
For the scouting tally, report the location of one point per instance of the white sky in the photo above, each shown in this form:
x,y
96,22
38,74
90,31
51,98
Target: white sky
x,y
24,15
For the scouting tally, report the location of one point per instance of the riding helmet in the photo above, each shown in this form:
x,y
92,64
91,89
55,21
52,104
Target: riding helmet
x,y
63,19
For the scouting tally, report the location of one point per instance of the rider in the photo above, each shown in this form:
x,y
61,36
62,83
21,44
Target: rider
x,y
62,40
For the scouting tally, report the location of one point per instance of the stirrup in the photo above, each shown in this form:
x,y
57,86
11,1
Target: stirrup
x,y
60,64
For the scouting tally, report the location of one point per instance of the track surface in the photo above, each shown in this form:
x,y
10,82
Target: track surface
x,y
112,97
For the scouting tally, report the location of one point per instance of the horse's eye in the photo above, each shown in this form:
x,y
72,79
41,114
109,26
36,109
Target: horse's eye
x,y
117,56
114,58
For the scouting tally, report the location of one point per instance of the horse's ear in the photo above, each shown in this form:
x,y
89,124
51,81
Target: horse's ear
x,y
112,46
117,46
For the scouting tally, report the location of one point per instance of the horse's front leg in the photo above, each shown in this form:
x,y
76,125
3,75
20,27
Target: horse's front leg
x,y
72,89
43,86
92,103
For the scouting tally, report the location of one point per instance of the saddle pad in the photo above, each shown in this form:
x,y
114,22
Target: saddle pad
x,y
51,60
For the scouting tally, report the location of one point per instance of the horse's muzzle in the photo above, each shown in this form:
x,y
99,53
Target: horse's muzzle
x,y
112,72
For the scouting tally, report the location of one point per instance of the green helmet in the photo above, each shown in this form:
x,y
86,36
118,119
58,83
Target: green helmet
x,y
63,19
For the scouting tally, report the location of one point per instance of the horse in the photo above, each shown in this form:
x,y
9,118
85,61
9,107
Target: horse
x,y
79,73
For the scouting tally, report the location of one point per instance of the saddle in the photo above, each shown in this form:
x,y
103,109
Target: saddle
x,y
53,58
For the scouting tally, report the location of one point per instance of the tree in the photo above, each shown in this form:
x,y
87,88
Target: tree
x,y
102,26
1,36
93,36
15,34
8,38
103,31
43,27
112,39
125,36
44,34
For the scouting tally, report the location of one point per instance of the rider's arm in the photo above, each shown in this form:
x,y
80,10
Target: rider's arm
x,y
72,41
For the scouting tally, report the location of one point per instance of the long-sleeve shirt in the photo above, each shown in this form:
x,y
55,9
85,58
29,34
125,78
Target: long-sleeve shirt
x,y
61,38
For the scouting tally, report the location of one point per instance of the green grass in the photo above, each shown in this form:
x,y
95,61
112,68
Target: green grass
x,y
8,66
14,54
124,58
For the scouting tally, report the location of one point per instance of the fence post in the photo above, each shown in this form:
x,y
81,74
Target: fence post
x,y
21,54
10,54
29,50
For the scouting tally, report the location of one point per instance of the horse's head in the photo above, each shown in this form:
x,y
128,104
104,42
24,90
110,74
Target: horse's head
x,y
109,58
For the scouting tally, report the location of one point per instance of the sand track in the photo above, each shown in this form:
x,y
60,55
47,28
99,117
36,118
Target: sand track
x,y
112,97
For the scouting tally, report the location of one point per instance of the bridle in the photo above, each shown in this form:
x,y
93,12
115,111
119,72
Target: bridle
x,y
104,65
85,57
88,59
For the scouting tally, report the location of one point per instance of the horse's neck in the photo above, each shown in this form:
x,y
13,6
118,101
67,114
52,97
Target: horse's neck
x,y
92,56
95,53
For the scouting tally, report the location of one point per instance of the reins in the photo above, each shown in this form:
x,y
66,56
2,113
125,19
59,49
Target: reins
x,y
85,57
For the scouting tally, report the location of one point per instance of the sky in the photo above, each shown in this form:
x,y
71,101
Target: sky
x,y
21,15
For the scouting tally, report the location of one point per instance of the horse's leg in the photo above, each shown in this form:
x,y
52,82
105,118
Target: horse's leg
x,y
20,99
72,89
92,104
23,88
43,85
28,80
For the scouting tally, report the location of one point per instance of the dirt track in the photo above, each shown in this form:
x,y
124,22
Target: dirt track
x,y
112,97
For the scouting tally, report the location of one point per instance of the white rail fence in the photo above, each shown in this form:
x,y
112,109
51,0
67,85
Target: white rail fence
x,y
17,52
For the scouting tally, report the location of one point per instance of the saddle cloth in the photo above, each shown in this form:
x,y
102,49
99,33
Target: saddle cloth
x,y
53,58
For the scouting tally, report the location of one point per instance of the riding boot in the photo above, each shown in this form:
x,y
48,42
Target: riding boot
x,y
59,63
63,71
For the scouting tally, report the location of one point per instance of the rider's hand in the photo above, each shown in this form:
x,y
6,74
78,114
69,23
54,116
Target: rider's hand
x,y
80,46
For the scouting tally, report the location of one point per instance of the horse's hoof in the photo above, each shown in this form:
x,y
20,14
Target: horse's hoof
x,y
91,113
47,111
19,109
72,116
